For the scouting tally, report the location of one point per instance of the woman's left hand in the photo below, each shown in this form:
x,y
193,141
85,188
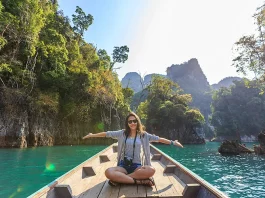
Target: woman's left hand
x,y
177,143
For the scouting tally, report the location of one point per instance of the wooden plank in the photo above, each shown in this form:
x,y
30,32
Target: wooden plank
x,y
169,168
109,191
141,190
189,175
63,191
191,190
72,177
128,190
156,157
79,183
104,158
88,171
97,182
151,191
163,184
122,191
177,183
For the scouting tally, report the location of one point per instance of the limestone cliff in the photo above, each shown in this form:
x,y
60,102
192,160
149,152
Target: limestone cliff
x,y
21,125
192,80
184,135
132,80
25,124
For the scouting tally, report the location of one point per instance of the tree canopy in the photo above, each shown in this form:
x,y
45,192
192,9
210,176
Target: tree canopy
x,y
46,59
166,109
249,50
238,110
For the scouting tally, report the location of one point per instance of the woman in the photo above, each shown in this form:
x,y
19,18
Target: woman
x,y
132,168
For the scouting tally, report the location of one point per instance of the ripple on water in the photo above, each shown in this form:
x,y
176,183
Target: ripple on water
x,y
241,176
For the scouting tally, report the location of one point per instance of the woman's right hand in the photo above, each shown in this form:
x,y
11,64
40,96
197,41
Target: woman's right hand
x,y
87,136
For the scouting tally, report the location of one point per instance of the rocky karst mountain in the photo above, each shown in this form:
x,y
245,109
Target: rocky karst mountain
x,y
189,76
226,82
192,80
134,81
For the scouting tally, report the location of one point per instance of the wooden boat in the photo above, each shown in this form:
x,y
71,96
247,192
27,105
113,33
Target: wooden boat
x,y
88,180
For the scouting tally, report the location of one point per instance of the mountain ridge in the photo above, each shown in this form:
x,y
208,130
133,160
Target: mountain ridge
x,y
189,69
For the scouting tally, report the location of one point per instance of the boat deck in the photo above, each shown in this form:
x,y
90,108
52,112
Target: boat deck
x,y
88,180
166,185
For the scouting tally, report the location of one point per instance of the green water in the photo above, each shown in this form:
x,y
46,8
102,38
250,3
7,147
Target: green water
x,y
238,176
24,171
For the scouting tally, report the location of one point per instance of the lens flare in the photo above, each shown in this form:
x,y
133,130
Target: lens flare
x,y
19,189
50,167
100,126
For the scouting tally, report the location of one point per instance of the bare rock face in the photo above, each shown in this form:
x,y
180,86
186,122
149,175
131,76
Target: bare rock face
x,y
22,142
14,129
260,149
43,139
132,80
25,122
22,126
185,136
233,148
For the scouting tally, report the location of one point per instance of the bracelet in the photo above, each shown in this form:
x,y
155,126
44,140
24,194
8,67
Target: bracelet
x,y
171,142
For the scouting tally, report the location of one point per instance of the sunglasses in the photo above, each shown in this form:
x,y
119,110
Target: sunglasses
x,y
132,121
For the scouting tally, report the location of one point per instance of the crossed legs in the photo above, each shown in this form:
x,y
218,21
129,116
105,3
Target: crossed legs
x,y
119,174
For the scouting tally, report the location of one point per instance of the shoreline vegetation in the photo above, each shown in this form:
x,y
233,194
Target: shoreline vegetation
x,y
56,87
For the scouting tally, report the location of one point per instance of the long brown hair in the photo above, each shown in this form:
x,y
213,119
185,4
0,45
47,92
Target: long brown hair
x,y
139,128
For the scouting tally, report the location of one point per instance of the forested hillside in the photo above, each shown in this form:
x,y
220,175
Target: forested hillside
x,y
238,111
54,86
166,112
226,82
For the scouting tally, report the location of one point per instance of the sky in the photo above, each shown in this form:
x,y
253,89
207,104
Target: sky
x,y
160,33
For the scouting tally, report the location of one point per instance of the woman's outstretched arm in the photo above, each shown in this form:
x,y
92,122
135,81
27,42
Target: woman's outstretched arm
x,y
166,141
90,135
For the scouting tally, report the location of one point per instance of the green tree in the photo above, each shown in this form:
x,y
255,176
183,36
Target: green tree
x,y
250,54
167,112
104,58
119,55
55,73
81,21
238,111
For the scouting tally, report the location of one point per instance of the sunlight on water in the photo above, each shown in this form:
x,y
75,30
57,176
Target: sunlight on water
x,y
241,176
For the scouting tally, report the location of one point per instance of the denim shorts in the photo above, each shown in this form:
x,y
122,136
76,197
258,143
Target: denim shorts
x,y
129,169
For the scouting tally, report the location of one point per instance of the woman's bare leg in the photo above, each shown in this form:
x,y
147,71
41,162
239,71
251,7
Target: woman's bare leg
x,y
118,174
143,172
